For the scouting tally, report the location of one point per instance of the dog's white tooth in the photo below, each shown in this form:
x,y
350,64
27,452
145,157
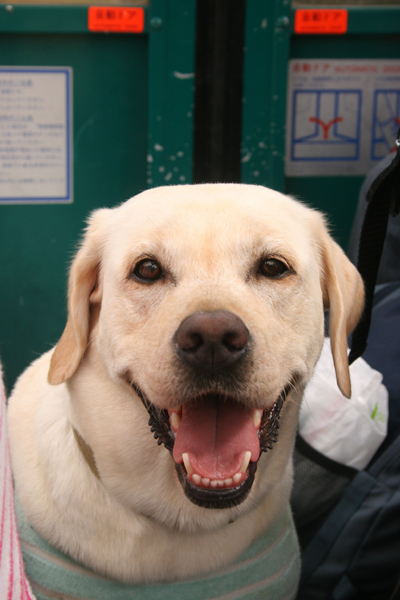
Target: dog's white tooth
x,y
246,460
220,483
237,477
205,481
257,414
196,478
228,482
213,483
187,464
175,419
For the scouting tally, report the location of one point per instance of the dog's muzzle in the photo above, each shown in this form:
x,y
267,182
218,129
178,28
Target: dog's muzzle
x,y
214,439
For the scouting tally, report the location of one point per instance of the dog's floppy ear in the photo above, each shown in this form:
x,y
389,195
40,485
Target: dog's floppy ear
x,y
343,294
83,288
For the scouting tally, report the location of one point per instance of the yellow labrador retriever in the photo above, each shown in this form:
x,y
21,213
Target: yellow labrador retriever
x,y
200,308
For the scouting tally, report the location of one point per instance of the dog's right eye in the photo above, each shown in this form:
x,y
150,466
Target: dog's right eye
x,y
147,270
273,268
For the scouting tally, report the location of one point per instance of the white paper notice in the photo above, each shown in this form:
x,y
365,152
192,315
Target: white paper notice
x,y
35,135
343,115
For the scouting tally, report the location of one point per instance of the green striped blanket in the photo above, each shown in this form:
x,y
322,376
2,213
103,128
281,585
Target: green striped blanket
x,y
268,570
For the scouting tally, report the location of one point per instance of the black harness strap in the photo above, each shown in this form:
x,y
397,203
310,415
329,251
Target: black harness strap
x,y
383,198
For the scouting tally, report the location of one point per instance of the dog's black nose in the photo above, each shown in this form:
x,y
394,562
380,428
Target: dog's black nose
x,y
212,340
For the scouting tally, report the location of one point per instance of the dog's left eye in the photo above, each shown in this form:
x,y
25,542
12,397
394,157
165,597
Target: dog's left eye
x,y
147,270
273,267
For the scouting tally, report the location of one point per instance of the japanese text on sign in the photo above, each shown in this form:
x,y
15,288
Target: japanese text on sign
x,y
320,21
35,135
116,19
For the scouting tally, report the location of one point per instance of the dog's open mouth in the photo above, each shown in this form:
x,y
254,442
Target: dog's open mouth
x,y
215,443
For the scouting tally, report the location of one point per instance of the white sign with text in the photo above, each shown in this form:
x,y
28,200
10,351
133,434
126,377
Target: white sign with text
x,y
342,115
35,135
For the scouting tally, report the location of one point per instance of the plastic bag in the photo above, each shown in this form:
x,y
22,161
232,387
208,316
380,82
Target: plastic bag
x,y
348,431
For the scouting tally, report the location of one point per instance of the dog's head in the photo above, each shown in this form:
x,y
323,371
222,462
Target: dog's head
x,y
208,303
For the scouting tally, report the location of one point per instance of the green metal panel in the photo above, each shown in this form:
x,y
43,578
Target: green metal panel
x,y
171,92
122,83
266,56
43,19
374,20
373,32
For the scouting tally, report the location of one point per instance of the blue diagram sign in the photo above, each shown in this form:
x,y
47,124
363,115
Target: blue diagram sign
x,y
386,121
326,125
35,135
343,115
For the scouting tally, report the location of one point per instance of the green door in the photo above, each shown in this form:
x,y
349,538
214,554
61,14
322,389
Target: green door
x,y
322,100
119,129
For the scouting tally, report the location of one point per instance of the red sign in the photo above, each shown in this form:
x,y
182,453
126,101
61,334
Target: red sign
x,y
116,19
320,20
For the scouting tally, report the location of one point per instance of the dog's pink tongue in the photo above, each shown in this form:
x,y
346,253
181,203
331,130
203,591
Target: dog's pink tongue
x,y
216,435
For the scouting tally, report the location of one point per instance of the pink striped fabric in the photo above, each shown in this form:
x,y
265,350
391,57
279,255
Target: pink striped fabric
x,y
13,585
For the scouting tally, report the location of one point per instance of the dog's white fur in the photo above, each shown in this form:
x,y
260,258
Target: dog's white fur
x,y
136,525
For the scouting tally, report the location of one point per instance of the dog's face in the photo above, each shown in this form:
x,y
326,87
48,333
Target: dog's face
x,y
208,303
